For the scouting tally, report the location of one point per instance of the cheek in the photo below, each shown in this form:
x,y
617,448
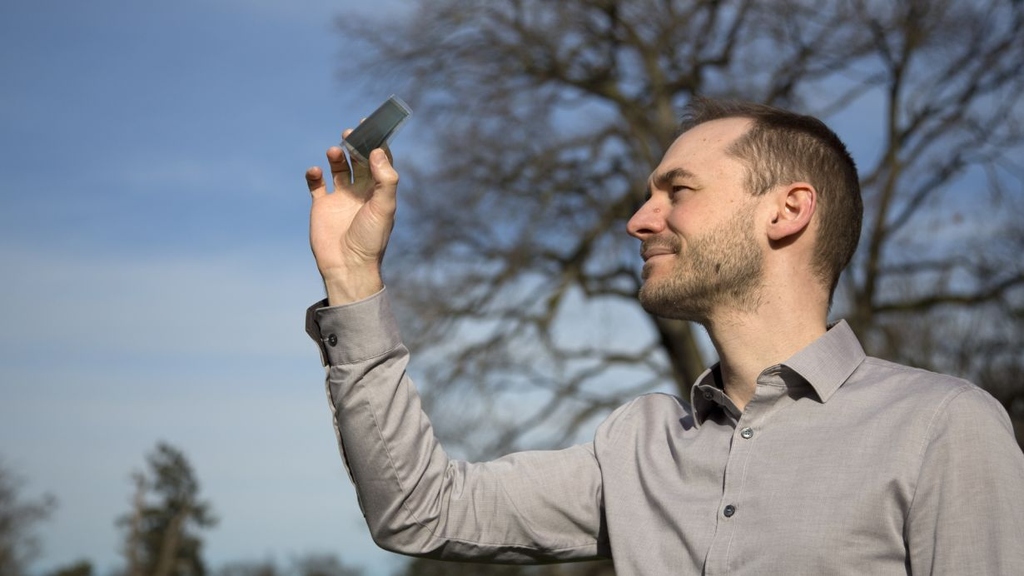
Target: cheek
x,y
684,225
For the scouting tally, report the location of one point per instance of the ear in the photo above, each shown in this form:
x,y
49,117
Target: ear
x,y
794,205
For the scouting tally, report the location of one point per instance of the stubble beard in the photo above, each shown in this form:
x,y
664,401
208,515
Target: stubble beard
x,y
720,270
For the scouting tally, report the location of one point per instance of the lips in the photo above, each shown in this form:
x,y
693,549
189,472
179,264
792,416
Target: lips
x,y
648,254
652,249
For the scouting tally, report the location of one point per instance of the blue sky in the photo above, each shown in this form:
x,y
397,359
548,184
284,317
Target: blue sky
x,y
156,266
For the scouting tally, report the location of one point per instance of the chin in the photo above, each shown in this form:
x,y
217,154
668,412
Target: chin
x,y
651,298
673,302
650,272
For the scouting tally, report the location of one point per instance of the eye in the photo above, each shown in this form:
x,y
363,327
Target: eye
x,y
677,188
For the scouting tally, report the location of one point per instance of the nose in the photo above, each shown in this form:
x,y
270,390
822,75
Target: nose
x,y
648,220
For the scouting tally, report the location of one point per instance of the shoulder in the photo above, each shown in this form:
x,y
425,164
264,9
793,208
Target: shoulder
x,y
644,415
897,383
879,369
650,404
942,405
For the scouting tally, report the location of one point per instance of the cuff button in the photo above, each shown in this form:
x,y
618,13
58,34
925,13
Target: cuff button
x,y
332,340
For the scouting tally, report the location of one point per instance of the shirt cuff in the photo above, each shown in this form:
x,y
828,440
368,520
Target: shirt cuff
x,y
353,332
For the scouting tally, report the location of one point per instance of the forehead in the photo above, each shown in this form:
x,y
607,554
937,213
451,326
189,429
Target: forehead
x,y
703,148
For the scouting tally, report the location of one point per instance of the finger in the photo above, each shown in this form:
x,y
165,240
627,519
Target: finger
x,y
340,171
345,134
387,151
361,173
315,182
385,179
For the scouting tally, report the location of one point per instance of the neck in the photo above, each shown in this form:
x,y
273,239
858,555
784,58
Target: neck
x,y
751,340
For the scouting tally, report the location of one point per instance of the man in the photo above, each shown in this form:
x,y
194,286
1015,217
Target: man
x,y
797,455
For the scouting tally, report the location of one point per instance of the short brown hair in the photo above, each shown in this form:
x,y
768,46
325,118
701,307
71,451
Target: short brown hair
x,y
783,147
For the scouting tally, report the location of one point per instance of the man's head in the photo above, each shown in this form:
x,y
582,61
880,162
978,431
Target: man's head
x,y
705,195
782,147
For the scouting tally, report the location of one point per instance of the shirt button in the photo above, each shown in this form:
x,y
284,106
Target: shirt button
x,y
747,433
729,511
332,340
708,395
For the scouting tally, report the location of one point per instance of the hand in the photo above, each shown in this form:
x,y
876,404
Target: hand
x,y
349,228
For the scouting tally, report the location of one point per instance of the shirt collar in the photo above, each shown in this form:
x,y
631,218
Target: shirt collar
x,y
824,364
828,361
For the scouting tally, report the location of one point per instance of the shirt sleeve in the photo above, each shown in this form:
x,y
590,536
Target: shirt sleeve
x,y
967,515
524,508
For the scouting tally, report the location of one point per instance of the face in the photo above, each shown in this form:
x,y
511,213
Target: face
x,y
701,254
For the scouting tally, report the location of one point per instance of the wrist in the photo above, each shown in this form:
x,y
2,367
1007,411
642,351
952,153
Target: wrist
x,y
347,288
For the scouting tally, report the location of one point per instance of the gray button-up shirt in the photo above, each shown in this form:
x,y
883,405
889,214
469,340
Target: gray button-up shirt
x,y
840,464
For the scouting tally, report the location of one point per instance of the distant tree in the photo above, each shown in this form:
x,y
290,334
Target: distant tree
x,y
79,568
321,565
304,565
513,273
423,567
19,544
250,568
244,568
162,529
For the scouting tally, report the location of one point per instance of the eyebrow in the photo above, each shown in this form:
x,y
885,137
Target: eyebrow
x,y
663,179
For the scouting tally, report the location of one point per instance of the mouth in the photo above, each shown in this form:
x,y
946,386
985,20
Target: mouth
x,y
652,251
655,253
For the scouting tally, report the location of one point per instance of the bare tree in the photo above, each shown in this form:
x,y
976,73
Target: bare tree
x,y
541,121
18,519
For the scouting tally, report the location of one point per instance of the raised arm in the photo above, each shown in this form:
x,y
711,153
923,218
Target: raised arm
x,y
527,507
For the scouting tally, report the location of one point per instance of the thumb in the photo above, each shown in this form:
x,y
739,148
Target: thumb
x,y
385,179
